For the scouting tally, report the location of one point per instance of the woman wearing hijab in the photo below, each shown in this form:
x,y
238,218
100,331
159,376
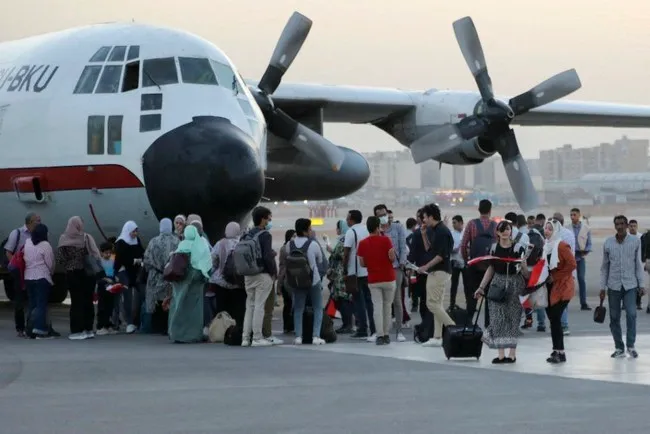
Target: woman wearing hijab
x,y
128,259
561,263
186,307
39,268
156,257
229,297
74,246
287,308
179,225
336,278
196,221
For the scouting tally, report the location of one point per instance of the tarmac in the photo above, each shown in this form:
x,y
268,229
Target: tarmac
x,y
145,384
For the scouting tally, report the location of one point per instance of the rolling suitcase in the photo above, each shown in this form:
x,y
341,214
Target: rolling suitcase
x,y
463,341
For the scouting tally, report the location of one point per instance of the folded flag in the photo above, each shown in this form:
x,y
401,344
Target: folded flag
x,y
115,288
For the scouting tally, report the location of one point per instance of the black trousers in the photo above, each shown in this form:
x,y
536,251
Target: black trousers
x,y
105,305
555,317
287,310
232,301
20,299
82,310
456,274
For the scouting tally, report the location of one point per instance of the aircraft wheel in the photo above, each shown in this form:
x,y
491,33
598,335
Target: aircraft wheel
x,y
60,290
9,286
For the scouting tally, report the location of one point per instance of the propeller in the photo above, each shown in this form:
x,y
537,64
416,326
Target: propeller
x,y
280,123
492,121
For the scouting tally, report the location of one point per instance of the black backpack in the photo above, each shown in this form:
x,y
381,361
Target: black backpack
x,y
645,246
298,272
229,271
537,240
481,244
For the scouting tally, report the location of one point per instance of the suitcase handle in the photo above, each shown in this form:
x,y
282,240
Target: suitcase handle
x,y
478,313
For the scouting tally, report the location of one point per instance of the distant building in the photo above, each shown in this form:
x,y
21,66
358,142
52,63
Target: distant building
x,y
485,175
393,170
430,174
459,177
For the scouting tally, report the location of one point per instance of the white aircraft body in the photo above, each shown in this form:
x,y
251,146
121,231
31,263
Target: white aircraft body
x,y
126,121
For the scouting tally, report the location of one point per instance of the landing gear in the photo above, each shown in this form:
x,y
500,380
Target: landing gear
x,y
59,291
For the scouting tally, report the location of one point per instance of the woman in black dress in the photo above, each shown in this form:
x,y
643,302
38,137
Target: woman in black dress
x,y
507,279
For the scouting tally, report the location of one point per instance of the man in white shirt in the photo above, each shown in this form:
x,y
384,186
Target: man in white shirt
x,y
362,301
519,237
457,262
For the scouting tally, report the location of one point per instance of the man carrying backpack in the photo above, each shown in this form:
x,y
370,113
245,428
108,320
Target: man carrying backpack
x,y
477,240
302,277
255,260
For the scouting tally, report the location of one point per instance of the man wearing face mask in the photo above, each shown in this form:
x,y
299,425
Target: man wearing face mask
x,y
397,234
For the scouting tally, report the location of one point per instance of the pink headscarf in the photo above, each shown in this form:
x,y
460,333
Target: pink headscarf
x,y
74,236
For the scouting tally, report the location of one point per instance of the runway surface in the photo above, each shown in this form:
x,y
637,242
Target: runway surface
x,y
145,384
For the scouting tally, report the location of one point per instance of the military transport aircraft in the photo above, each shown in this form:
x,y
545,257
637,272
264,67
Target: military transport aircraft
x,y
205,141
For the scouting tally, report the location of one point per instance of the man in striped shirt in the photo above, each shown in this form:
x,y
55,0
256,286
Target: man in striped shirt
x,y
621,277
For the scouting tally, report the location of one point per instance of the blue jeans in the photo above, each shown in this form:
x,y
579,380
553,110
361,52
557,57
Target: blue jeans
x,y
614,298
363,307
565,318
582,286
541,317
39,293
299,303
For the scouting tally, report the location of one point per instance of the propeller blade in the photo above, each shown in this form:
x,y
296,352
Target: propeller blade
x,y
470,46
556,87
517,171
305,139
445,138
291,40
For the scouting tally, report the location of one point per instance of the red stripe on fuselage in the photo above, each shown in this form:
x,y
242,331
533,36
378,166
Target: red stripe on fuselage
x,y
66,178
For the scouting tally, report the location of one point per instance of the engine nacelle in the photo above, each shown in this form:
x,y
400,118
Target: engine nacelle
x,y
470,152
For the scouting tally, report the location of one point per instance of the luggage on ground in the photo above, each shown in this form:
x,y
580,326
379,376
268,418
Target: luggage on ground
x,y
327,332
458,314
462,341
233,336
217,330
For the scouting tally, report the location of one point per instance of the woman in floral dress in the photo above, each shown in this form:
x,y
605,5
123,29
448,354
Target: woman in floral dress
x,y
336,279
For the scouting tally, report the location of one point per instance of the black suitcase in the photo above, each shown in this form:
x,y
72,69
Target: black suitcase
x,y
463,341
458,314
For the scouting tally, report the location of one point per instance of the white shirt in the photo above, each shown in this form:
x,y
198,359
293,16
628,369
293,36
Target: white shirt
x,y
523,242
314,256
457,236
362,233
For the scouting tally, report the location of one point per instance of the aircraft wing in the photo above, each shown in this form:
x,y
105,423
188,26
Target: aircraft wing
x,y
586,114
349,104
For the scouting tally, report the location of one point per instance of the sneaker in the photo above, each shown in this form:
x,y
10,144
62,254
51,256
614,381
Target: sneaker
x,y
541,328
89,334
556,358
42,336
77,336
261,343
317,341
379,340
205,332
401,337
359,335
647,310
372,338
274,340
386,340
618,354
102,332
245,343
585,307
432,343
565,331
632,352
21,334
131,328
297,341
344,331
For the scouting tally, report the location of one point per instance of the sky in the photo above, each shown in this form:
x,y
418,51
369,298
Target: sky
x,y
408,45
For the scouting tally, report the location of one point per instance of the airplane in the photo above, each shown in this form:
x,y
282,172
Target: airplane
x,y
128,121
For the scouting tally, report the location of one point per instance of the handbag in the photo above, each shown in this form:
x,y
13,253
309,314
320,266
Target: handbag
x,y
92,265
351,281
499,294
539,298
600,312
222,322
176,268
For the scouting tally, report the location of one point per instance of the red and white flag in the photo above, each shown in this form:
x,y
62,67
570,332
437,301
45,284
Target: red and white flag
x,y
116,288
538,274
485,258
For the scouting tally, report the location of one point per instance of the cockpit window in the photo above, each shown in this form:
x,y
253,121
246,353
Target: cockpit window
x,y
110,79
196,71
134,52
101,54
88,79
225,76
158,72
118,53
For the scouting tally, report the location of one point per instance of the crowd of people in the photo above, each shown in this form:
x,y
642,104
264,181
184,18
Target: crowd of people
x,y
372,265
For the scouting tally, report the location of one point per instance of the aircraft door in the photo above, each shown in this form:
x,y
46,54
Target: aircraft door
x,y
30,189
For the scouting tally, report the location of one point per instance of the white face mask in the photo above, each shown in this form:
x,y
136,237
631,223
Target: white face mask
x,y
383,220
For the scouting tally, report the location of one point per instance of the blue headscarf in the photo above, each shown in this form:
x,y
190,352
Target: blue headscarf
x,y
342,226
165,226
39,233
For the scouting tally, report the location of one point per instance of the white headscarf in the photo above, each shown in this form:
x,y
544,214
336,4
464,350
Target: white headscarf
x,y
552,244
125,235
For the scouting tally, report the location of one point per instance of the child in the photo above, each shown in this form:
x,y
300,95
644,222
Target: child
x,y
106,299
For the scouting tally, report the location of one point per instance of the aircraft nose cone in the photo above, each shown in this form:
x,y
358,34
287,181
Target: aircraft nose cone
x,y
206,167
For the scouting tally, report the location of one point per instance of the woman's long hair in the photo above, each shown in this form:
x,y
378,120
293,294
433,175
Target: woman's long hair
x,y
288,235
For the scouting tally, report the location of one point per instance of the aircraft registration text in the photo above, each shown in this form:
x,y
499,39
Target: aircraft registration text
x,y
26,78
